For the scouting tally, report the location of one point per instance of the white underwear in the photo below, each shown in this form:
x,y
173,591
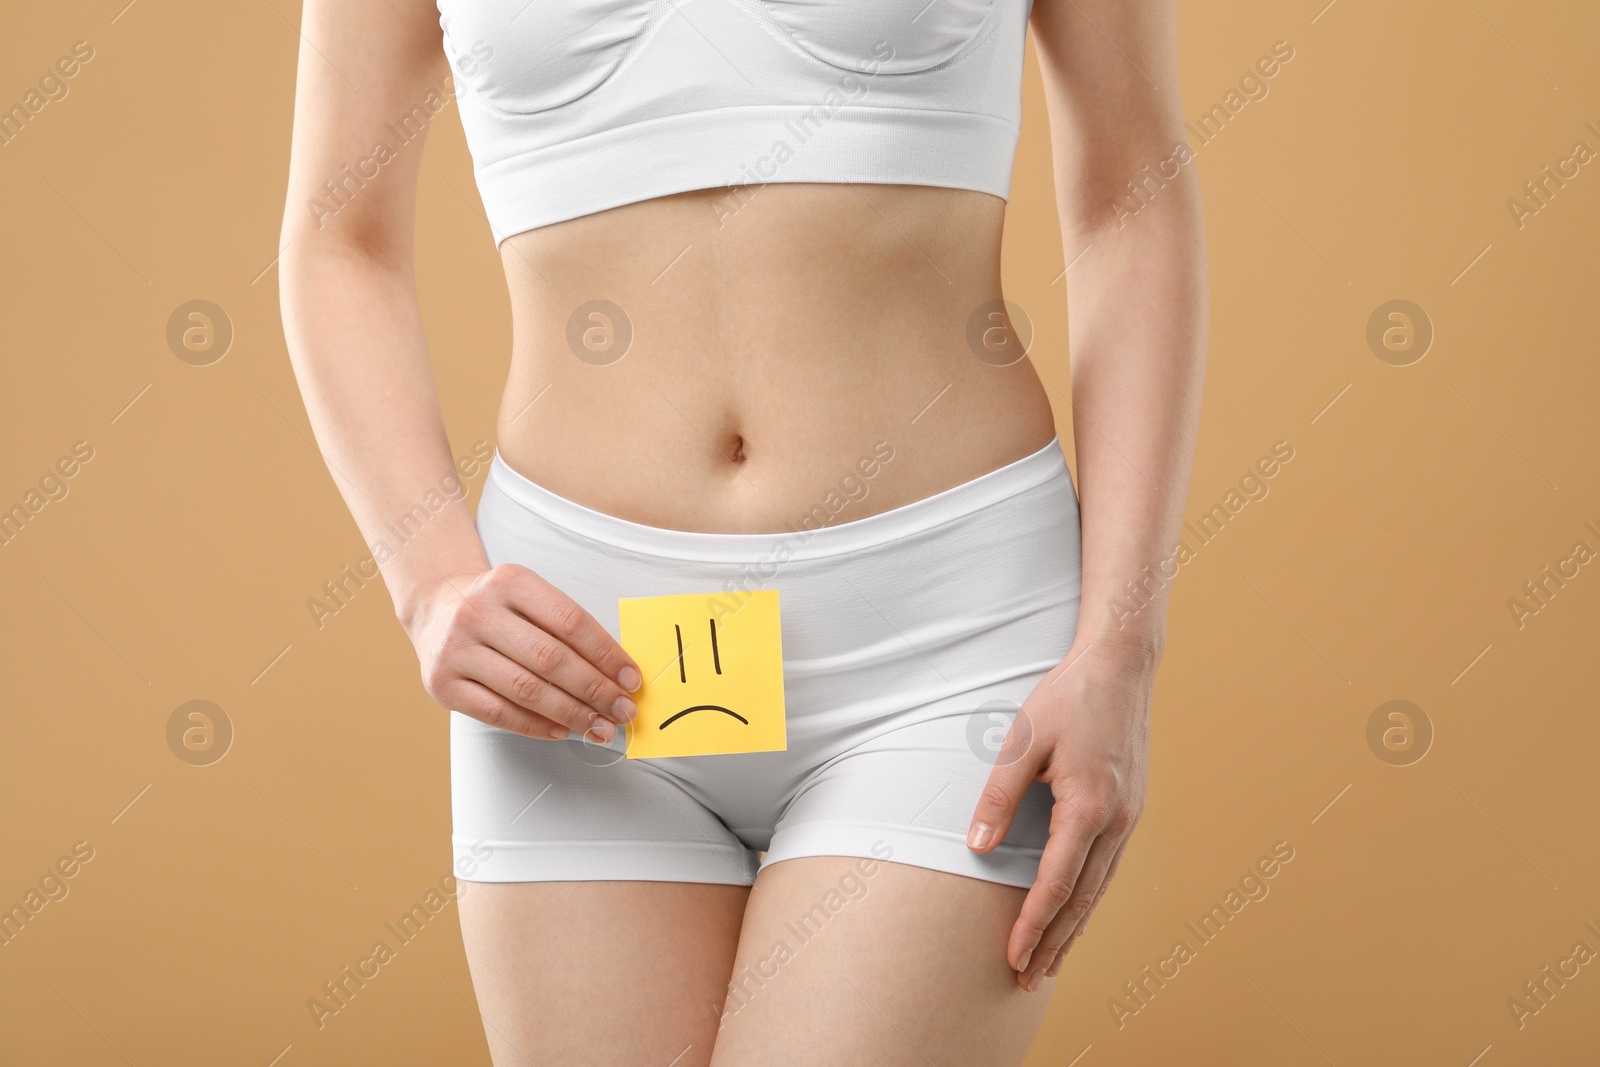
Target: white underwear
x,y
910,638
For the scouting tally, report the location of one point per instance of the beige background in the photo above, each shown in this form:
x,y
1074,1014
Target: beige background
x,y
1420,898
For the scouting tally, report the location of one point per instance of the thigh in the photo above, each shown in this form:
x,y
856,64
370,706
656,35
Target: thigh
x,y
600,973
847,960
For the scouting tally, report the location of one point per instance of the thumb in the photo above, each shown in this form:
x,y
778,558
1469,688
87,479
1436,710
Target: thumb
x,y
1015,768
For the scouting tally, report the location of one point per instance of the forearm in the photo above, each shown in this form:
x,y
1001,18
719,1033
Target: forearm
x,y
355,339
1138,316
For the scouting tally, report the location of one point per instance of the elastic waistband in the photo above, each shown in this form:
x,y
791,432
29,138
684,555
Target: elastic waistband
x,y
1040,468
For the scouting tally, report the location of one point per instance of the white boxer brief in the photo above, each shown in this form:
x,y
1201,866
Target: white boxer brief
x,y
910,639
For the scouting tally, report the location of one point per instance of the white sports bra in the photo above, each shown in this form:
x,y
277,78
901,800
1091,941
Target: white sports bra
x,y
575,106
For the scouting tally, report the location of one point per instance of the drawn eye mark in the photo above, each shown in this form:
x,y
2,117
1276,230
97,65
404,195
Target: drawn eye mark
x,y
716,654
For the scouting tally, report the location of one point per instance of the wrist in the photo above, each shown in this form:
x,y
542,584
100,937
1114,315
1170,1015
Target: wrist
x,y
416,603
1138,648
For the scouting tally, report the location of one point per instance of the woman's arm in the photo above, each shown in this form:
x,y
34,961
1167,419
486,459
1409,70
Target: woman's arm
x,y
499,644
1130,207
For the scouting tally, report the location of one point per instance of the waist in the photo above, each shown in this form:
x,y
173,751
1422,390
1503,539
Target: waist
x,y
817,533
758,471
986,574
684,367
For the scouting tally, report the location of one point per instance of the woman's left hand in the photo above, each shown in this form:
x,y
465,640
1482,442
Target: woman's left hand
x,y
1085,729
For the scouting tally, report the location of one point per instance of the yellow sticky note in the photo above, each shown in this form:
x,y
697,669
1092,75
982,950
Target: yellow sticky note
x,y
713,673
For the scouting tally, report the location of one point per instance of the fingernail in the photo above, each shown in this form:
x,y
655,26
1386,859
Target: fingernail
x,y
624,710
1023,965
980,835
1034,979
1055,968
630,679
559,733
602,730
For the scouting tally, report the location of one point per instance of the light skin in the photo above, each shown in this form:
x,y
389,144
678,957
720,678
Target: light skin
x,y
777,334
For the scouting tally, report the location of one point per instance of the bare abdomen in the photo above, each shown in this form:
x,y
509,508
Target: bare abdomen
x,y
735,361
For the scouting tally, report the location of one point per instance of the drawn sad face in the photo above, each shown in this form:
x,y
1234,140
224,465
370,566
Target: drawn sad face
x,y
683,678
713,674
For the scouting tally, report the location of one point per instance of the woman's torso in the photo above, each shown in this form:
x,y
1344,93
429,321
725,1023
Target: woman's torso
x,y
763,349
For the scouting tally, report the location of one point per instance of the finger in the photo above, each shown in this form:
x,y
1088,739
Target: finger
x,y
1083,927
1014,771
1111,872
559,615
1061,957
1053,941
492,709
516,638
522,687
1073,831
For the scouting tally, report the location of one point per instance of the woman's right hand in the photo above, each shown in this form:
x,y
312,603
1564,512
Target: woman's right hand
x,y
513,651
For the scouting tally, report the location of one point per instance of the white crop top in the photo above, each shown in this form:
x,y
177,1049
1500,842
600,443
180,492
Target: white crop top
x,y
575,106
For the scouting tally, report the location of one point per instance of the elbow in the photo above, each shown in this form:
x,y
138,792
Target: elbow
x,y
316,231
1161,195
316,265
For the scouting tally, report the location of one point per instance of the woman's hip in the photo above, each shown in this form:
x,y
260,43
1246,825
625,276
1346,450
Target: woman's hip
x,y
965,590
